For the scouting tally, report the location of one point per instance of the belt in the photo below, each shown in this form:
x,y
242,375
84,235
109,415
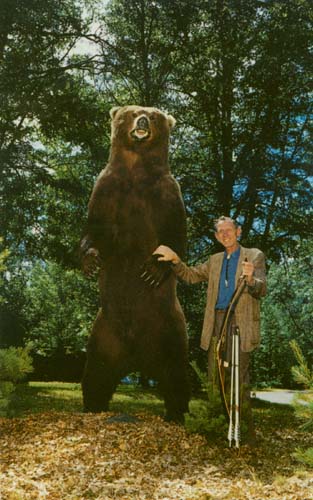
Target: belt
x,y
220,310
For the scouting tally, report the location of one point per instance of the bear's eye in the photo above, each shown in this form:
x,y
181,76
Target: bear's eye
x,y
152,116
135,114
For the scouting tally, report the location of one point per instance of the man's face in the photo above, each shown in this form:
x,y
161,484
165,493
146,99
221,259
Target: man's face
x,y
227,234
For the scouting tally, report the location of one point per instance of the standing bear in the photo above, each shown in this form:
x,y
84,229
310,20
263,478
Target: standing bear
x,y
135,206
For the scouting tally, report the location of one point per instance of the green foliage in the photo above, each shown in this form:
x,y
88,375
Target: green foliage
x,y
304,456
15,365
303,403
286,314
245,132
242,146
59,309
3,256
44,103
207,415
6,390
301,373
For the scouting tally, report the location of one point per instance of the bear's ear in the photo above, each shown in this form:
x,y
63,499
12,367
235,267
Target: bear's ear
x,y
171,121
114,110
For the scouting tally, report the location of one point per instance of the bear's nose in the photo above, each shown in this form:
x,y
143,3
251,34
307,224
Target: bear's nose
x,y
142,122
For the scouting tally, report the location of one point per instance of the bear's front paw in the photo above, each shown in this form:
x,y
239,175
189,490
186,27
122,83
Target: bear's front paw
x,y
155,272
91,262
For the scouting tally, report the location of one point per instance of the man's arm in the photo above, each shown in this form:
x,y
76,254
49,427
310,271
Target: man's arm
x,y
191,275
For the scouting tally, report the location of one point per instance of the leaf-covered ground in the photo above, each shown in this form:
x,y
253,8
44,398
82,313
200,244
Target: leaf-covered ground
x,y
60,455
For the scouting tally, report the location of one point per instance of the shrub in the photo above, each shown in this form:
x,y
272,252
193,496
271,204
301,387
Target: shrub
x,y
301,373
15,364
209,416
303,403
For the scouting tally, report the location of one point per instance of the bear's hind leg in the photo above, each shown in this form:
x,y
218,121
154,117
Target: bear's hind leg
x,y
173,376
174,386
107,363
99,384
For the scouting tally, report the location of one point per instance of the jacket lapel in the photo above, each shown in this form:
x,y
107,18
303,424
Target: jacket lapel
x,y
216,273
218,268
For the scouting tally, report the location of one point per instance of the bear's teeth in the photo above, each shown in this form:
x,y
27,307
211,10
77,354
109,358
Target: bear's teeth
x,y
141,133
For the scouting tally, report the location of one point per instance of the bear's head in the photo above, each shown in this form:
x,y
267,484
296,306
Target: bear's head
x,y
139,128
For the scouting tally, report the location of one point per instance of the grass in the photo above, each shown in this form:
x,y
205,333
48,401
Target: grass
x,y
42,397
38,397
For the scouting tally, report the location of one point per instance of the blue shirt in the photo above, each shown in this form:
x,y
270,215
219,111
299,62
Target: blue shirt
x,y
227,279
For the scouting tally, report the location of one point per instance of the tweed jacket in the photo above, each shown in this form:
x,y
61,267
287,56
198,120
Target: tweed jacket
x,y
247,312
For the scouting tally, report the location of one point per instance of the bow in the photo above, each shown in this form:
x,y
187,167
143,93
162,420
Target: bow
x,y
220,347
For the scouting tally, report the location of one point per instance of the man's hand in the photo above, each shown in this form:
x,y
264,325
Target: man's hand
x,y
157,268
166,254
248,272
153,272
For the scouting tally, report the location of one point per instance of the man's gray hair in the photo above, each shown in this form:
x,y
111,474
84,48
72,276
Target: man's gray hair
x,y
222,218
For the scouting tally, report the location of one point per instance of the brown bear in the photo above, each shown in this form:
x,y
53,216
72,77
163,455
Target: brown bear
x,y
135,206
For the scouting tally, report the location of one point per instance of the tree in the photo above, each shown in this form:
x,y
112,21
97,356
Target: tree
x,y
138,49
241,145
41,101
251,124
236,76
286,315
59,309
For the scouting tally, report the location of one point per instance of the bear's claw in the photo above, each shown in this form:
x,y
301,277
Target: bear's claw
x,y
155,272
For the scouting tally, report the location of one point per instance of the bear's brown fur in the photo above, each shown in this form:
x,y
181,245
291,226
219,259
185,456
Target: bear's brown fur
x,y
136,205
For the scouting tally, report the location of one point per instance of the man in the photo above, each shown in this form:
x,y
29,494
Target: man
x,y
222,272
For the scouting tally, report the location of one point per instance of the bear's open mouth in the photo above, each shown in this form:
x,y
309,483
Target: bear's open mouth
x,y
140,134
